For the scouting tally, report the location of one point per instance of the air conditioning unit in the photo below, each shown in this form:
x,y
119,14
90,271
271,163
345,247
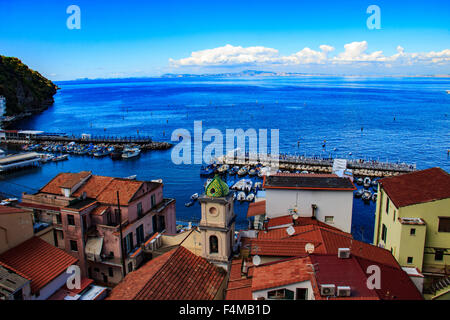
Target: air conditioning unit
x,y
344,291
344,253
327,290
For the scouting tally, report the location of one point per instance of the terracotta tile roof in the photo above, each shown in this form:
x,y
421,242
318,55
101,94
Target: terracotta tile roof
x,y
39,260
308,182
417,187
279,222
280,248
4,265
325,239
74,179
281,273
127,189
93,186
54,185
342,272
177,274
256,208
395,282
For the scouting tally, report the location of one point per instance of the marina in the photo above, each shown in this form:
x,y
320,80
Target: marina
x,y
303,164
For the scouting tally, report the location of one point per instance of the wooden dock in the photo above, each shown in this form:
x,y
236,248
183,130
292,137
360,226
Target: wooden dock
x,y
292,163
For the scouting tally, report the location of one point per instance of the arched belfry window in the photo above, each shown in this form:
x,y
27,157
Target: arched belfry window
x,y
213,244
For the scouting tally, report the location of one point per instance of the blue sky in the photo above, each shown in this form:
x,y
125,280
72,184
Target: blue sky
x,y
137,38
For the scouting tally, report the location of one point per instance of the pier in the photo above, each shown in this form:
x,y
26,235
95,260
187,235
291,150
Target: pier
x,y
359,167
24,137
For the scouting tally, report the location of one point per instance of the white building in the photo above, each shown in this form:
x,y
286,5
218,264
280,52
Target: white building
x,y
327,197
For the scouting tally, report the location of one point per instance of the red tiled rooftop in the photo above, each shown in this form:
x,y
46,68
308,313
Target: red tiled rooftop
x,y
127,189
281,273
93,186
287,248
176,275
38,260
256,208
280,221
417,187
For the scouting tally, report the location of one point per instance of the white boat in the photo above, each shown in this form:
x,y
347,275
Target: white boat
x,y
250,197
132,153
367,195
61,158
133,177
367,182
241,196
194,196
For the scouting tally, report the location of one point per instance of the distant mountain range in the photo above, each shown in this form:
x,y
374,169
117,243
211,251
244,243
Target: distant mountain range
x,y
245,73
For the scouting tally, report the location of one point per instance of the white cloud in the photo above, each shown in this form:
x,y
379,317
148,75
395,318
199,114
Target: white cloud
x,y
354,53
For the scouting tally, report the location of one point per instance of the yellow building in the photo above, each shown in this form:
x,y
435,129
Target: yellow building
x,y
16,226
412,219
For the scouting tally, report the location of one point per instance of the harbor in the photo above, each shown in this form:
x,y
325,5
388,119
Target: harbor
x,y
304,164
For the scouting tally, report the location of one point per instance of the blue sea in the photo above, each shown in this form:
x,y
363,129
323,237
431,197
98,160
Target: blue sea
x,y
391,118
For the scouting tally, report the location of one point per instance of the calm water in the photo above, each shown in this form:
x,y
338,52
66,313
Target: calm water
x,y
403,119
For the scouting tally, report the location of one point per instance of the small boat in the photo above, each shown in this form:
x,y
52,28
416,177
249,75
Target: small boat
x,y
234,195
194,196
206,171
241,196
101,153
189,204
359,181
375,184
242,171
304,172
257,186
133,177
252,172
374,196
359,193
367,182
131,153
250,197
367,195
223,169
61,158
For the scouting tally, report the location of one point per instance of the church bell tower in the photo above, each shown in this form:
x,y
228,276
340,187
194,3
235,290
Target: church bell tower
x,y
217,224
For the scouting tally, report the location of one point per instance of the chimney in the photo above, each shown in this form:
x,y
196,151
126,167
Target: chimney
x,y
313,208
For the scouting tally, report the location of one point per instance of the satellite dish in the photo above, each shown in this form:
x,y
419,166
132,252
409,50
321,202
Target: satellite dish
x,y
290,231
309,248
256,260
295,216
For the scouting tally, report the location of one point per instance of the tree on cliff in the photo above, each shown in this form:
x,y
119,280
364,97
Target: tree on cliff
x,y
25,90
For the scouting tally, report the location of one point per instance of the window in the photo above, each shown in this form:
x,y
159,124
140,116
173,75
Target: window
x,y
302,294
444,224
58,218
410,260
110,272
153,201
393,217
329,219
73,245
438,254
213,244
281,294
129,242
130,267
70,220
140,234
161,223
387,206
412,231
139,209
213,211
384,233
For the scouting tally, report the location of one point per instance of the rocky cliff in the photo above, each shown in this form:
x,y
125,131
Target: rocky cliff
x,y
25,90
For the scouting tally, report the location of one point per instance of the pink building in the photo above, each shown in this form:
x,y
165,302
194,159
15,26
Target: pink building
x,y
83,210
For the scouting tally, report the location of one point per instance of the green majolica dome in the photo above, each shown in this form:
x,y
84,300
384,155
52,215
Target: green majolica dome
x,y
217,188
